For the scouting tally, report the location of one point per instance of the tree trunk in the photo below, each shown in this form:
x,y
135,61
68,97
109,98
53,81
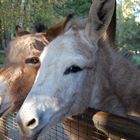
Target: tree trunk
x,y
22,10
30,13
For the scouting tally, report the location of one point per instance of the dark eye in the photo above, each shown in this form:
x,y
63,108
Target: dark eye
x,y
72,69
32,60
39,45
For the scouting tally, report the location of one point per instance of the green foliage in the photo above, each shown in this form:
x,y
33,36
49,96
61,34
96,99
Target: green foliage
x,y
78,7
136,59
29,12
2,58
51,12
128,30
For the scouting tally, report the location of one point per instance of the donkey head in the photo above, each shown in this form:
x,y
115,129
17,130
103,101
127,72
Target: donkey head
x,y
65,79
25,46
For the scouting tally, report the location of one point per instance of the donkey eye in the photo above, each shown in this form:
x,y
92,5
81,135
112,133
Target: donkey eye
x,y
32,60
72,69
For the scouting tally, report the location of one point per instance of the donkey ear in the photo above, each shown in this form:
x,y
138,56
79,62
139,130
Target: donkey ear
x,y
20,31
56,30
100,15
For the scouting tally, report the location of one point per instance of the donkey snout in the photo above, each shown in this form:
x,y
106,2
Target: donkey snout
x,y
28,122
32,123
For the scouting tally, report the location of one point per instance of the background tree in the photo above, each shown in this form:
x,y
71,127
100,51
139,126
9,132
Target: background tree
x,y
30,12
128,30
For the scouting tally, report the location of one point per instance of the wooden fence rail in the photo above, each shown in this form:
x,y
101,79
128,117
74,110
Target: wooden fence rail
x,y
116,125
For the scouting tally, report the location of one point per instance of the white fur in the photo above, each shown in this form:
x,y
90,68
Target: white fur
x,y
4,95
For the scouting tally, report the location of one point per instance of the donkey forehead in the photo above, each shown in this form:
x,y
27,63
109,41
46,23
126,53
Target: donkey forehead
x,y
71,45
29,39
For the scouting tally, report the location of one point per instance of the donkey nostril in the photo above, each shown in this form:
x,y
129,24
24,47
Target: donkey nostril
x,y
32,123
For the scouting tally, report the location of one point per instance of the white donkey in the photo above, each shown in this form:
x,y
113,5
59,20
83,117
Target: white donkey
x,y
77,73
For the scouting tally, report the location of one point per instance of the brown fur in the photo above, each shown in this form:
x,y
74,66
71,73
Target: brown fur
x,y
19,76
53,32
17,53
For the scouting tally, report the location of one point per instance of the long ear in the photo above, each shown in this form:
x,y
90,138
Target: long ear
x,y
56,30
100,15
20,31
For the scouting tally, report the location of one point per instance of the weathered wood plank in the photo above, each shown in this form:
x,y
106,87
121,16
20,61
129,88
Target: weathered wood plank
x,y
116,125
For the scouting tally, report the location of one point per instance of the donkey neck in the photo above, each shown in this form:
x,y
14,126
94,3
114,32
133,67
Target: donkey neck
x,y
117,83
125,78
